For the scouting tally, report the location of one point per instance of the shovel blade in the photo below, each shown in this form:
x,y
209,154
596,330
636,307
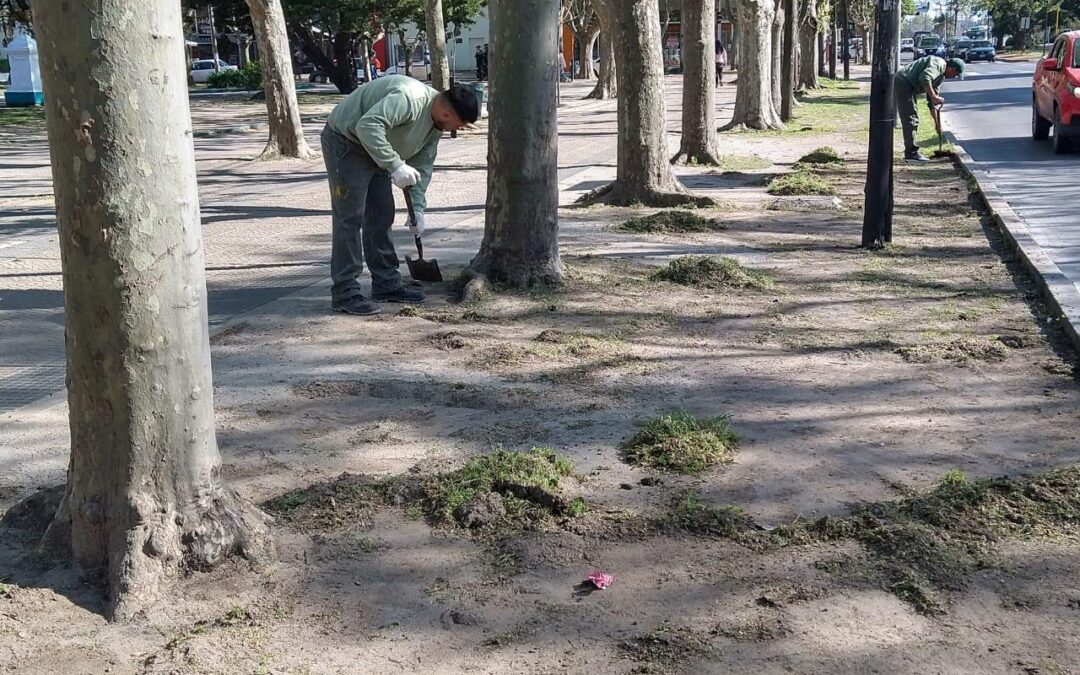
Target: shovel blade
x,y
424,270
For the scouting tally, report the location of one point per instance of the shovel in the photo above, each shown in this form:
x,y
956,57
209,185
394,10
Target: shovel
x,y
420,269
940,152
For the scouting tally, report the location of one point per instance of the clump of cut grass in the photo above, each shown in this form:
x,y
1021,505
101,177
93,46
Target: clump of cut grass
x,y
347,500
711,272
671,221
822,155
922,545
800,182
682,443
960,350
667,645
527,483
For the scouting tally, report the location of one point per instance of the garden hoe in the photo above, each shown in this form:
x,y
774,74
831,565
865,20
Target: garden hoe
x,y
420,269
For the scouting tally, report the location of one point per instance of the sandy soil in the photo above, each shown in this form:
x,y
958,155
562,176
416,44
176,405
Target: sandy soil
x,y
855,377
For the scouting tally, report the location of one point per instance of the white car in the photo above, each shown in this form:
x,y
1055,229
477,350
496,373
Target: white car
x,y
907,44
203,68
420,68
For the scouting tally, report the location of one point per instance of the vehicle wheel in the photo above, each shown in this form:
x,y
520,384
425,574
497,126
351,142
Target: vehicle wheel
x,y
1040,127
993,59
1060,142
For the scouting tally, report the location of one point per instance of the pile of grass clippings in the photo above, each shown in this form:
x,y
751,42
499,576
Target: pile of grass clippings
x,y
682,443
671,221
524,485
960,351
822,155
711,272
800,182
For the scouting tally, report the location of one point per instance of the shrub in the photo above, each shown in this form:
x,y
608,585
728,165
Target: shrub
x,y
249,77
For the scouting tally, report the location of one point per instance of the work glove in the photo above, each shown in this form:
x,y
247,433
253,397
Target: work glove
x,y
417,226
405,176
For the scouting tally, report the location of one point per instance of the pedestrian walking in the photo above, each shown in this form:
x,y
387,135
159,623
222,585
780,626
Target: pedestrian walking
x,y
921,76
376,64
479,57
721,61
382,134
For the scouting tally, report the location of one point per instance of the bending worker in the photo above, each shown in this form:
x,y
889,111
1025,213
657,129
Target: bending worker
x,y
920,76
386,132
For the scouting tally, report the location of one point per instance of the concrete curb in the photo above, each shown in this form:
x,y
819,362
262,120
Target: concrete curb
x,y
1061,294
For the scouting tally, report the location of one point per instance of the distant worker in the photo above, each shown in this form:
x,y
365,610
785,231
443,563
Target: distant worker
x,y
480,59
376,64
921,76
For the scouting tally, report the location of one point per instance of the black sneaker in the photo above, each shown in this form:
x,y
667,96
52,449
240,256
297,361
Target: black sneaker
x,y
403,295
357,305
916,157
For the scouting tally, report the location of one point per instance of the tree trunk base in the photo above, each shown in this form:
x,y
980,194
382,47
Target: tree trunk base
x,y
273,152
759,125
600,92
173,543
481,277
615,194
697,156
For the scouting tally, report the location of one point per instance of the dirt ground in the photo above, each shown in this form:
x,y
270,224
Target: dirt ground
x,y
851,377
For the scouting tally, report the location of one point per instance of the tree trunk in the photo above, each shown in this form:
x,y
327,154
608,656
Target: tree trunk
x,y
286,128
606,83
698,144
406,49
521,230
787,65
365,62
754,106
644,173
809,48
343,73
436,39
143,501
776,50
585,41
820,56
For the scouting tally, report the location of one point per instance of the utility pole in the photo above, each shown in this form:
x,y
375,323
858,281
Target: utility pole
x,y
846,39
878,206
213,39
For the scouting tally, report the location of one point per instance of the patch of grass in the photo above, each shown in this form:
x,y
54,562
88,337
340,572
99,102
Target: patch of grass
x,y
671,221
711,272
527,483
924,544
23,116
800,182
822,155
682,443
926,136
961,351
743,163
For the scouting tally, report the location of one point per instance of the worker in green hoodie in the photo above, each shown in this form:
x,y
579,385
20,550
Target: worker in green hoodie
x,y
385,133
921,76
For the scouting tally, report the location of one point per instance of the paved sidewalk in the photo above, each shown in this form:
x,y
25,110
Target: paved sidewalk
x,y
266,225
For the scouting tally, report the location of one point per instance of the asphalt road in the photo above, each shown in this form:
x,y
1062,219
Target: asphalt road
x,y
990,114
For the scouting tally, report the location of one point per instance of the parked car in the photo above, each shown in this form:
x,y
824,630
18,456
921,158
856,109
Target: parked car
x,y
981,50
420,67
1055,93
202,69
930,45
907,45
958,48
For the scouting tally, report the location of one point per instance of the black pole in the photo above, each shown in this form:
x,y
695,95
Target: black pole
x,y
787,66
845,48
878,207
832,43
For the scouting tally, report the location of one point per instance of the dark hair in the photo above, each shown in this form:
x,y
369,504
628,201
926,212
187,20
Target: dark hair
x,y
464,103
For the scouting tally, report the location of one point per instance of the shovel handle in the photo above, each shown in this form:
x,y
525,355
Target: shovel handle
x,y
412,221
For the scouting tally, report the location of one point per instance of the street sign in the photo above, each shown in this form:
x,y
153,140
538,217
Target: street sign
x,y
1025,22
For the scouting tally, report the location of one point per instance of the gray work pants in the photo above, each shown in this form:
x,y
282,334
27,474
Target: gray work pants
x,y
906,105
362,201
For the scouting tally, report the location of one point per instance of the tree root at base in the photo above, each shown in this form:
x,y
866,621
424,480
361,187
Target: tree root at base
x,y
696,157
615,195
